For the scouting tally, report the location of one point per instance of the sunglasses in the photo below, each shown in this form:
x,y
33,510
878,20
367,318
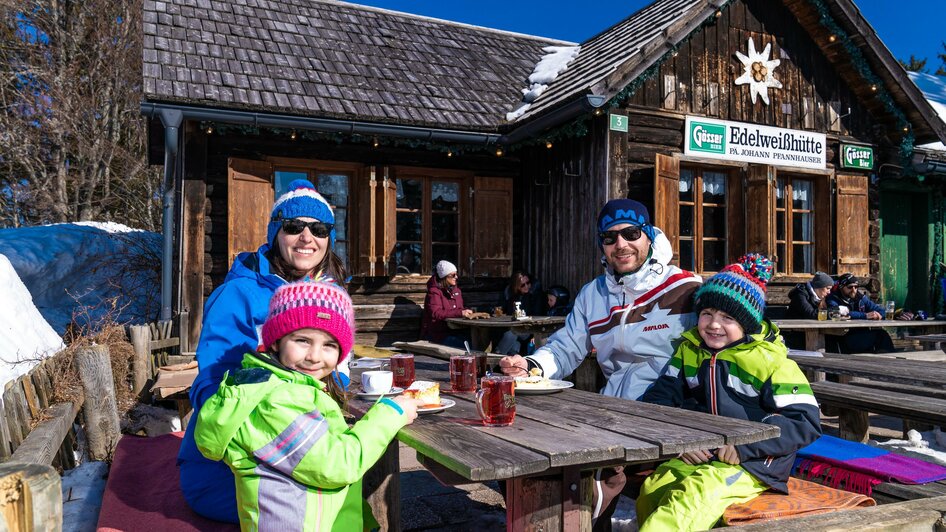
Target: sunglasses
x,y
294,226
629,233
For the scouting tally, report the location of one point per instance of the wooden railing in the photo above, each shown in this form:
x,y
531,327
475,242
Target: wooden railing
x,y
30,486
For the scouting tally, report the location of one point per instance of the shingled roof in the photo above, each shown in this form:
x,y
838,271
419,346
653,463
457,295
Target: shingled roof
x,y
334,59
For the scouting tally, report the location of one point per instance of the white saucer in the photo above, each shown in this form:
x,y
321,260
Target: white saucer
x,y
371,396
444,404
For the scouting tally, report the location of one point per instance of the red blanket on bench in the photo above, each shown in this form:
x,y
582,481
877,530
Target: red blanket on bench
x,y
143,490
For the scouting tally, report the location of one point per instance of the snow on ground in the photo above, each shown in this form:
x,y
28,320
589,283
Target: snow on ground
x,y
85,265
929,446
934,89
82,490
25,337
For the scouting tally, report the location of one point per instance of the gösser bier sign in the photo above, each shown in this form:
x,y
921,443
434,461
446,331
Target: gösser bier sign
x,y
736,141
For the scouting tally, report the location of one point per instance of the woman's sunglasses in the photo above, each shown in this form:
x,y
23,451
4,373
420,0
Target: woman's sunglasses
x,y
294,226
629,233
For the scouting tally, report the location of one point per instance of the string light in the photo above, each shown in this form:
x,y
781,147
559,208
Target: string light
x,y
873,88
374,142
598,112
499,152
832,38
293,135
449,153
548,144
210,129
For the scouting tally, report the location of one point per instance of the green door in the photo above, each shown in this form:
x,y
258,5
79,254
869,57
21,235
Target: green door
x,y
905,248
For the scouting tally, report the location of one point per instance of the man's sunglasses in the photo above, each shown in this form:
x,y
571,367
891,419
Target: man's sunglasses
x,y
294,226
629,233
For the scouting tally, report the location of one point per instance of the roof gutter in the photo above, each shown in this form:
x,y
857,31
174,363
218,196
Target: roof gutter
x,y
325,125
585,104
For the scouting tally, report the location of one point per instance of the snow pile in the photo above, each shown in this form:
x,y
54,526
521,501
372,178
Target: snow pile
x,y
82,491
25,337
929,446
90,269
934,89
553,63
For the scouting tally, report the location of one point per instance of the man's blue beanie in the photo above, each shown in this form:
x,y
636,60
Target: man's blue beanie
x,y
625,211
300,201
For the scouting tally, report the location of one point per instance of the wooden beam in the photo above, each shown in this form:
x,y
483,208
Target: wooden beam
x,y
44,441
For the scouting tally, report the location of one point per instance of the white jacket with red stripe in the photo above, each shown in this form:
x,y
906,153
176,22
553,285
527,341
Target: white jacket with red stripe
x,y
634,323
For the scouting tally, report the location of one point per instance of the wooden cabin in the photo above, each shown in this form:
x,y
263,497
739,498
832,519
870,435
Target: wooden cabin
x,y
401,121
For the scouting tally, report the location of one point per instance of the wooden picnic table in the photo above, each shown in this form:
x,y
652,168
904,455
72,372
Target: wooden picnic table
x,y
815,330
895,370
539,326
549,454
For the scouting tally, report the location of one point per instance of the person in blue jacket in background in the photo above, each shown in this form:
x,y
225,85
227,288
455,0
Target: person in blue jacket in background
x,y
300,242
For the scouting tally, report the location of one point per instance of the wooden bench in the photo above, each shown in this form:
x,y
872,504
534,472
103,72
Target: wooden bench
x,y
856,400
924,514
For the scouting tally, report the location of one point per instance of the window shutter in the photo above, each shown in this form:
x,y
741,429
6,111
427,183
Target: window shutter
x,y
492,227
851,225
386,220
667,200
760,210
249,203
363,251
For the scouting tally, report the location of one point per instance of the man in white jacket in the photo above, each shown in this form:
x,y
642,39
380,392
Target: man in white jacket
x,y
632,315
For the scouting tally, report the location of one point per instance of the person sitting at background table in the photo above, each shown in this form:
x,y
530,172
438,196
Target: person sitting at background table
x,y
805,300
859,307
524,289
443,301
558,298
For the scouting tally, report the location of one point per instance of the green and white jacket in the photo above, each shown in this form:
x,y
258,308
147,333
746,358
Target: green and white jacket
x,y
297,463
753,380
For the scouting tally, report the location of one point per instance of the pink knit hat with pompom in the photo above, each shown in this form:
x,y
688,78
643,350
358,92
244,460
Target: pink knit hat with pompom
x,y
311,305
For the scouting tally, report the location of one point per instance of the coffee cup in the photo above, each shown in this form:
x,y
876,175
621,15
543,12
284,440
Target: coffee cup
x,y
377,381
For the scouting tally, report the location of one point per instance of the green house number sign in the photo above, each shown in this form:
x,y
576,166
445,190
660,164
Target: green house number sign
x,y
860,157
619,123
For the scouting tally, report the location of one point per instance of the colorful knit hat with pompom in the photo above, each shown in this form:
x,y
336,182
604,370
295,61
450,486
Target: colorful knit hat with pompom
x,y
311,305
738,290
300,201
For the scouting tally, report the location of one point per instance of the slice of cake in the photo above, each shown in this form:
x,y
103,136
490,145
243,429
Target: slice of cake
x,y
426,391
534,380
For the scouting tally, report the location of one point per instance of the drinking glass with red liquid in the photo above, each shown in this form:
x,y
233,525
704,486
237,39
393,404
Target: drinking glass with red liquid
x,y
482,366
496,400
463,373
402,365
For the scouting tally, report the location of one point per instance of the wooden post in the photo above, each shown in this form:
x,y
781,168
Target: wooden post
x,y
381,487
30,497
183,331
141,367
101,412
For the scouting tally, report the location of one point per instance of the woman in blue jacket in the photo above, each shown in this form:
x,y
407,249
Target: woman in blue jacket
x,y
300,241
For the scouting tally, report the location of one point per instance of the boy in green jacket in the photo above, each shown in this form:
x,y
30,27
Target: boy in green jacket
x,y
278,421
731,364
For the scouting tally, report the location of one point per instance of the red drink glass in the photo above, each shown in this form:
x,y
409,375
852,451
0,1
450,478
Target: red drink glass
x,y
463,373
402,365
496,400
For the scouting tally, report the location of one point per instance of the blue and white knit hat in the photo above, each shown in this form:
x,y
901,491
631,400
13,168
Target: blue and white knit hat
x,y
302,200
625,211
738,290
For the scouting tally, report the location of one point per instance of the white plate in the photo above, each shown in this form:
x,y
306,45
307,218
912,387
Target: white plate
x,y
368,363
444,404
372,396
554,386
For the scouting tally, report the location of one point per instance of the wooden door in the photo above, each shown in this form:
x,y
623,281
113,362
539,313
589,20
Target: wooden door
x,y
851,225
904,248
492,227
249,204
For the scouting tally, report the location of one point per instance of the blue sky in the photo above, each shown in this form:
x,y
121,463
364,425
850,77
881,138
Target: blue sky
x,y
906,26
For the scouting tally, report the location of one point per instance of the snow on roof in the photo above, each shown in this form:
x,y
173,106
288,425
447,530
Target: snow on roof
x,y
553,63
934,90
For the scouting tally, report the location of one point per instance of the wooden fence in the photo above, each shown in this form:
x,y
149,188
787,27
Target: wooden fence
x,y
30,486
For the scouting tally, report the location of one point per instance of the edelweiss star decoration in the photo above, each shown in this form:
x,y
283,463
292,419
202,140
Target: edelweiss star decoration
x,y
759,72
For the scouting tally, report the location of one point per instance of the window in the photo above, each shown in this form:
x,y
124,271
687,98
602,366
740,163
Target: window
x,y
795,225
333,184
703,220
428,223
